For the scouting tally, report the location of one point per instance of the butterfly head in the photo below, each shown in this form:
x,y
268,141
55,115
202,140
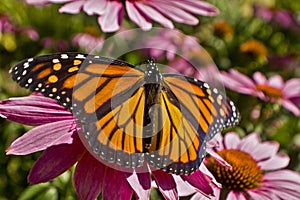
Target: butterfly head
x,y
152,75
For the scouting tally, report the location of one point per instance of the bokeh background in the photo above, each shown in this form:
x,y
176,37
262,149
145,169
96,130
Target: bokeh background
x,y
273,25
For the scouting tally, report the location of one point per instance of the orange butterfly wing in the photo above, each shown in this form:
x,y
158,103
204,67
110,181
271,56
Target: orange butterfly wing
x,y
191,113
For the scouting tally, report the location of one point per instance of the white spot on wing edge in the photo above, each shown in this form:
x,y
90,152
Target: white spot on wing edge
x,y
80,56
64,56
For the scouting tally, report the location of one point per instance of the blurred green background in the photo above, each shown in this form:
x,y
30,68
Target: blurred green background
x,y
221,36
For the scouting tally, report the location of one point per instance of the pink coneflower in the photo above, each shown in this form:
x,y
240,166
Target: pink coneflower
x,y
56,133
257,170
141,12
88,42
7,25
282,17
273,89
171,43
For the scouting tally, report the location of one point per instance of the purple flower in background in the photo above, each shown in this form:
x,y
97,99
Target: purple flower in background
x,y
171,42
88,42
56,44
282,17
257,170
290,61
141,12
273,89
57,134
6,25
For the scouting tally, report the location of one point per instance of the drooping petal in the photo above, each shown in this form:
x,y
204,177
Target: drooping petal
x,y
155,15
111,19
174,12
33,110
199,181
166,184
289,105
55,160
42,137
115,185
88,177
236,196
237,81
137,17
261,194
197,7
183,187
95,7
72,7
141,184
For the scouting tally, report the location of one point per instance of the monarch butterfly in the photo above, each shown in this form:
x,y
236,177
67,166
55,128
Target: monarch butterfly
x,y
129,115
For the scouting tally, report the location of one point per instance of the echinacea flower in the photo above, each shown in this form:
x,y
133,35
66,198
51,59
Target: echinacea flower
x,y
282,17
254,48
273,89
171,43
55,44
141,12
58,135
222,29
88,42
257,170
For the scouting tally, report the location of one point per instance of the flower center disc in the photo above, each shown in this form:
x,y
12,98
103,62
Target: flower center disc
x,y
245,173
270,91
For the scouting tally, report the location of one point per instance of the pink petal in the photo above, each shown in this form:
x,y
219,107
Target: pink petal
x,y
261,194
249,143
88,177
283,175
289,105
197,7
242,78
265,150
199,181
183,187
260,78
141,184
42,137
174,13
55,160
219,158
238,82
292,88
278,161
231,140
236,196
276,81
115,185
73,7
33,110
166,184
110,20
137,17
95,7
155,15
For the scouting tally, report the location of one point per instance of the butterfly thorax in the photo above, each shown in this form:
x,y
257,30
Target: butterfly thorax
x,y
153,87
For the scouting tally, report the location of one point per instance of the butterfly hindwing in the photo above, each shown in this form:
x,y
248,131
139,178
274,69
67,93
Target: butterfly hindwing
x,y
191,113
